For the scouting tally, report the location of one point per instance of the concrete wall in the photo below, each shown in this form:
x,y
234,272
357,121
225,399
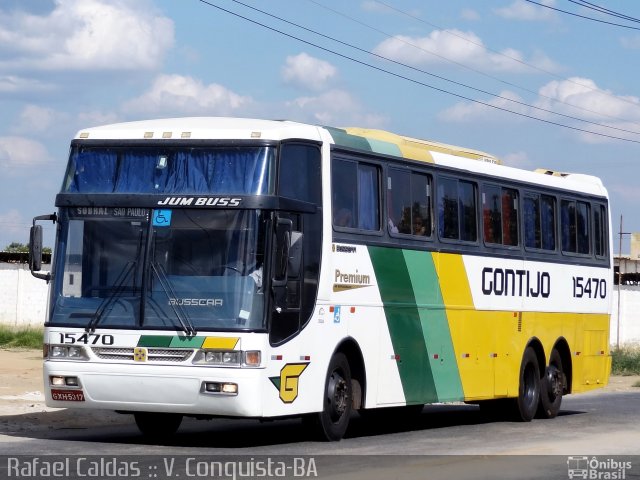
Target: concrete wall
x,y
23,298
23,302
625,328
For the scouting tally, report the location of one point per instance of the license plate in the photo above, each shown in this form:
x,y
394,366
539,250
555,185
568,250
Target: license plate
x,y
67,395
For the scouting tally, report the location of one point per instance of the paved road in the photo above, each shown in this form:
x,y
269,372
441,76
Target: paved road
x,y
602,424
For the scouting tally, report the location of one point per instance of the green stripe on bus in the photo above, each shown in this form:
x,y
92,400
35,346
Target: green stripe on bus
x,y
186,342
154,341
341,137
435,326
405,326
386,148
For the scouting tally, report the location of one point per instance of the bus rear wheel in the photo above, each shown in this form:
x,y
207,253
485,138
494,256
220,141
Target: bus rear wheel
x,y
332,422
526,404
551,387
157,425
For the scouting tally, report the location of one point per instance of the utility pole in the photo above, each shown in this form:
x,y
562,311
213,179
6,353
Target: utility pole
x,y
621,233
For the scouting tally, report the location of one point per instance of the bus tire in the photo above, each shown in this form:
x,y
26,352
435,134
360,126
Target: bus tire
x,y
157,425
332,422
551,387
526,405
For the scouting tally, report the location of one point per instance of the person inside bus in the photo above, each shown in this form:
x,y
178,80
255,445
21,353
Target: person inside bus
x,y
418,225
343,218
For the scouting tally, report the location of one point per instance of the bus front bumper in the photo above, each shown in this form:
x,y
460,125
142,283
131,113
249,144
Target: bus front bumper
x,y
158,388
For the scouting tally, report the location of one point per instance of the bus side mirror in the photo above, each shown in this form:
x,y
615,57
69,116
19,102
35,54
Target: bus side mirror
x,y
35,247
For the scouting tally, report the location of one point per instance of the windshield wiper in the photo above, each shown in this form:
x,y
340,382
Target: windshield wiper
x,y
106,303
181,315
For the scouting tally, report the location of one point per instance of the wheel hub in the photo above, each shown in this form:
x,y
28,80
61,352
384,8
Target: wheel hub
x,y
554,382
338,396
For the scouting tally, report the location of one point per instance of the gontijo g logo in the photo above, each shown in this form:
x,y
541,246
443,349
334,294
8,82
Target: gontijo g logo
x,y
287,382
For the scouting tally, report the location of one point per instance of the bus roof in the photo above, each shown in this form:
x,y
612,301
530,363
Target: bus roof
x,y
369,140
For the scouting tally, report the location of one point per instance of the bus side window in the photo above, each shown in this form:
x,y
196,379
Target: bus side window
x,y
457,210
600,230
575,227
468,211
356,195
532,228
448,208
300,174
409,203
583,229
491,214
500,215
548,222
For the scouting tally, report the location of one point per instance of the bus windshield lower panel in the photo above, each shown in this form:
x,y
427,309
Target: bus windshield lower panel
x,y
164,269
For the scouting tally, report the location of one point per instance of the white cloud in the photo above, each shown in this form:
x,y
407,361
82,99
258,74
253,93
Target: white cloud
x,y
583,98
455,46
631,43
34,118
489,110
86,35
470,14
13,225
517,159
522,10
308,72
16,153
334,107
576,97
183,95
93,118
16,84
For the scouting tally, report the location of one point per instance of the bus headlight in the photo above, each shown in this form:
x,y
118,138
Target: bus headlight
x,y
66,352
228,358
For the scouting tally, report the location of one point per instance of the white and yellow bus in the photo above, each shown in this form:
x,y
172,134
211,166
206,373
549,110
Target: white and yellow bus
x,y
245,268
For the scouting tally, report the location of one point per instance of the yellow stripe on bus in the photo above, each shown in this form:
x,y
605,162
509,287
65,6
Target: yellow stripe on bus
x,y
220,343
489,344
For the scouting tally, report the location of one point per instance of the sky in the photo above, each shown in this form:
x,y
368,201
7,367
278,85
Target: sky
x,y
547,84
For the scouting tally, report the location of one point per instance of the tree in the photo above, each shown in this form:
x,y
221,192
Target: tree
x,y
15,247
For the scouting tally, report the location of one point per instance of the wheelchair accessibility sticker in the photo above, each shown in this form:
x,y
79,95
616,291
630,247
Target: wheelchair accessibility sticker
x,y
162,218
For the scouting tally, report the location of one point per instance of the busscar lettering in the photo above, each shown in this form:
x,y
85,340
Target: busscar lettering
x,y
506,282
196,302
200,201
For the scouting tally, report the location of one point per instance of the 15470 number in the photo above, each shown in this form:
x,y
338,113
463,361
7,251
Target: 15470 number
x,y
589,287
86,338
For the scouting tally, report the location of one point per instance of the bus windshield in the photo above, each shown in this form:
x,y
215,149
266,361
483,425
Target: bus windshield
x,y
161,269
240,170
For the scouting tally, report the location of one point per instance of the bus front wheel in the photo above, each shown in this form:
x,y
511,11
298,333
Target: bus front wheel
x,y
332,422
526,404
158,425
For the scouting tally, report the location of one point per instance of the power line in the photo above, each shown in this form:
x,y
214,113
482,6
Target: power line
x,y
606,11
517,60
465,67
403,77
582,16
432,74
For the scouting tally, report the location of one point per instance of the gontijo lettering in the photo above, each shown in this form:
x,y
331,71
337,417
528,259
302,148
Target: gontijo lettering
x,y
515,283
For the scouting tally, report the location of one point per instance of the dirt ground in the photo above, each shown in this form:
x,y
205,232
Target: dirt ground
x,y
22,397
